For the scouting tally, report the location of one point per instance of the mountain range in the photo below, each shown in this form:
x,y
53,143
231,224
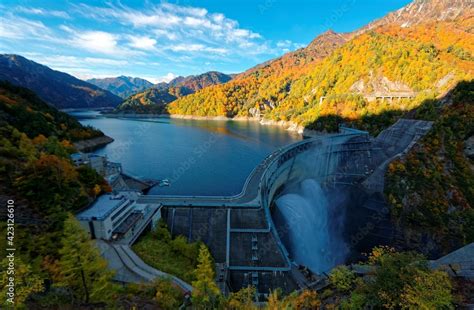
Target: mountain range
x,y
56,88
155,98
122,86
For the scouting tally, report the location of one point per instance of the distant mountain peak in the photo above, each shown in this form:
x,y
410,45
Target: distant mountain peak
x,y
195,82
422,11
329,36
329,32
122,86
57,88
163,93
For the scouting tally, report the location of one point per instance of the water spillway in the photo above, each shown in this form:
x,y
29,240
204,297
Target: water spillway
x,y
309,228
309,216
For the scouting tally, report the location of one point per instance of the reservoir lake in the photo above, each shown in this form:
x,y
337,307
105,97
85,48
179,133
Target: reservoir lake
x,y
198,157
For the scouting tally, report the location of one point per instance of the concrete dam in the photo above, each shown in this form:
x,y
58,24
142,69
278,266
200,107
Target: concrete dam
x,y
305,209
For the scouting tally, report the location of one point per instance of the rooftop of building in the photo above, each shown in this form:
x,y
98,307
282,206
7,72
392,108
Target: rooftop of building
x,y
102,207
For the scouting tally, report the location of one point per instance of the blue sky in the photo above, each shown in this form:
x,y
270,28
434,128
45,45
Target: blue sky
x,y
158,40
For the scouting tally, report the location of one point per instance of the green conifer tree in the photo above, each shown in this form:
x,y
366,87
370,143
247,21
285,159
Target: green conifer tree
x,y
83,271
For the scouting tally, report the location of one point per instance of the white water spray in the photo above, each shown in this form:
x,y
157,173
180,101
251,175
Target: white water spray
x,y
310,227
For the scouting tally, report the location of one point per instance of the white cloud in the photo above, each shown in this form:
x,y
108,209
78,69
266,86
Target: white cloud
x,y
97,42
196,27
105,61
287,45
165,78
185,10
14,27
244,33
143,42
166,34
196,48
42,12
284,44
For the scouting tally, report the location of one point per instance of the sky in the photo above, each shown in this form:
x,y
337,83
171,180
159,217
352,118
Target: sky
x,y
159,40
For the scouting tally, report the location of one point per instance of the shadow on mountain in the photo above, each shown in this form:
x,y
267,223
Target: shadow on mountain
x,y
375,123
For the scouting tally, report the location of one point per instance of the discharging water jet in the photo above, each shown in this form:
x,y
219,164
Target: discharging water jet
x,y
310,227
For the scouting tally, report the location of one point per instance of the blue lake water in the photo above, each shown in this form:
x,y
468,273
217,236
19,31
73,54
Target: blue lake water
x,y
198,157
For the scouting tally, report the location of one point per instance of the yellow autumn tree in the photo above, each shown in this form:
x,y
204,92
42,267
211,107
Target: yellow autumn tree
x,y
205,291
25,283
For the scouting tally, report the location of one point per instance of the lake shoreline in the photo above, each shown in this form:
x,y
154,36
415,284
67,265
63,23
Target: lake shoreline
x,y
90,145
287,125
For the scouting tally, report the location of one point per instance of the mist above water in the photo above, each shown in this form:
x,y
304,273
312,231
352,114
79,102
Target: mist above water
x,y
310,226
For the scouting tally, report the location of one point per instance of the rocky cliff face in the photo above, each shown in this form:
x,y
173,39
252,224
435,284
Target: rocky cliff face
x,y
423,11
379,84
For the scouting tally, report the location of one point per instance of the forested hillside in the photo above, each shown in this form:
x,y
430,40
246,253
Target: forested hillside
x,y
431,189
36,172
22,109
154,99
56,88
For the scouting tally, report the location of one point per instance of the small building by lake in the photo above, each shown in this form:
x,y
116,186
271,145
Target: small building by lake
x,y
119,217
99,163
